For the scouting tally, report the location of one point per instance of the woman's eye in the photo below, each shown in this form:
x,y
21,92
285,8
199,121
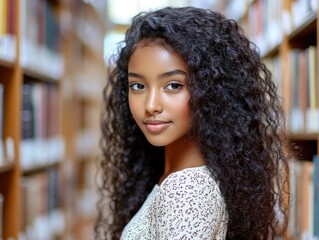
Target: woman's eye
x,y
136,86
174,86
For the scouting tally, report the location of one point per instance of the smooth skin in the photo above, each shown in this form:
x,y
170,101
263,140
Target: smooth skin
x,y
158,100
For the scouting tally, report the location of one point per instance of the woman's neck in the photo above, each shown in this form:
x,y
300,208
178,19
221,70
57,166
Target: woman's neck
x,y
181,154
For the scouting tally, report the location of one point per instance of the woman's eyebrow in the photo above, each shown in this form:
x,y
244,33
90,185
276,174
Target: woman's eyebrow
x,y
162,75
136,75
171,73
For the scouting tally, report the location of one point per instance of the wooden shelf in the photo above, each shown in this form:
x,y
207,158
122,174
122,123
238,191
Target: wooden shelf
x,y
40,168
55,2
274,51
6,64
304,136
305,34
36,76
309,24
6,167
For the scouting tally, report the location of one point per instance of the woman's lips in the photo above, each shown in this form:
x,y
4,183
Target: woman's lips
x,y
156,126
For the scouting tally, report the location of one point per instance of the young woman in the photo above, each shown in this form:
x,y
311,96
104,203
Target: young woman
x,y
193,139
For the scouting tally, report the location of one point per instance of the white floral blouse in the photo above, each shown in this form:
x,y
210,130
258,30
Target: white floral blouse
x,y
187,205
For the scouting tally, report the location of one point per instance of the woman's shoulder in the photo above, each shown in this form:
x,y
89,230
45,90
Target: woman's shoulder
x,y
189,204
190,180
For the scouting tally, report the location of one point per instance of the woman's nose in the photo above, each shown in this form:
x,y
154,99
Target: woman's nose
x,y
153,102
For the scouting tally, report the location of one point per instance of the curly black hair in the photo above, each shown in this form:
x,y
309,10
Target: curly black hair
x,y
237,121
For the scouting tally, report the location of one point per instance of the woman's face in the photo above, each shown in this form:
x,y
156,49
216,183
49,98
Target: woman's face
x,y
158,96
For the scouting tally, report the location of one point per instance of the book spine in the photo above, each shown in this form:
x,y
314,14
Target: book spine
x,y
313,111
1,18
27,112
5,17
296,124
12,17
316,196
1,215
2,156
312,75
302,86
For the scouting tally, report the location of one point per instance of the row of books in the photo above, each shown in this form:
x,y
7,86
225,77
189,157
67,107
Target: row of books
x,y
275,66
7,20
304,113
304,202
264,25
6,145
40,36
41,134
267,20
40,23
7,30
1,110
40,110
41,215
300,10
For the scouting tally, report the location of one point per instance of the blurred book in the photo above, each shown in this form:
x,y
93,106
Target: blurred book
x,y
304,112
41,216
7,30
264,27
2,157
40,36
41,134
316,196
1,215
303,217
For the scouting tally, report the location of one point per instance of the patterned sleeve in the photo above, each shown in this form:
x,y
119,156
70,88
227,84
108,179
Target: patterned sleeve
x,y
188,206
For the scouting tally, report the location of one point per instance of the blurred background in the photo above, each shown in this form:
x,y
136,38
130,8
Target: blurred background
x,y
54,56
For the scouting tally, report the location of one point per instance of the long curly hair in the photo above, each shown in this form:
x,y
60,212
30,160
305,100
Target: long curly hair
x,y
237,121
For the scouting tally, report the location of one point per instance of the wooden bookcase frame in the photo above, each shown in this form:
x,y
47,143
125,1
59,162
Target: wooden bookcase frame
x,y
11,78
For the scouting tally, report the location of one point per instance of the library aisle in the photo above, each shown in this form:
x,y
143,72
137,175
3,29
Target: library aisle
x,y
53,61
52,76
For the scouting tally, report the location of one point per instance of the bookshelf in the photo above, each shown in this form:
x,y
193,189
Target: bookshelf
x,y
287,34
50,94
82,97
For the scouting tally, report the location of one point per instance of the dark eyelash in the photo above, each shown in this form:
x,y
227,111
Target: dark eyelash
x,y
176,83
